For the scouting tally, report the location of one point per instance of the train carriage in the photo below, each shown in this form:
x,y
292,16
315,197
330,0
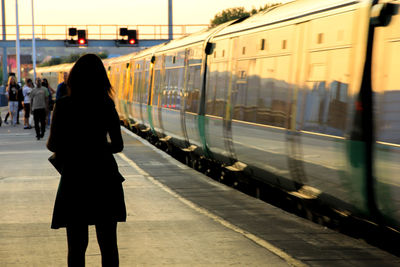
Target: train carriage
x,y
302,96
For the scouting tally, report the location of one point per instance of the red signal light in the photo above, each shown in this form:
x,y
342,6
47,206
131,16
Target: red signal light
x,y
81,41
132,41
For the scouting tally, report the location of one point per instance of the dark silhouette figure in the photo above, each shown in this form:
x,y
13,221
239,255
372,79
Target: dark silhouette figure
x,y
90,190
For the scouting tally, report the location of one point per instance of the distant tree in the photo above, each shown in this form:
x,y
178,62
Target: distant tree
x,y
229,14
237,13
51,62
69,59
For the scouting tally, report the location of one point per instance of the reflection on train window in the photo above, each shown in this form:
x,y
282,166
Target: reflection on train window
x,y
130,86
156,88
217,89
144,90
172,88
126,82
137,85
193,89
325,108
239,92
260,95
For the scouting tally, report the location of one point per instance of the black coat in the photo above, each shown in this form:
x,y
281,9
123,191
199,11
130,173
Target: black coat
x,y
90,189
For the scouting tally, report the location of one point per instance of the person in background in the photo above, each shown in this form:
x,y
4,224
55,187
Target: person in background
x,y
62,87
26,91
51,91
39,106
90,190
20,101
12,91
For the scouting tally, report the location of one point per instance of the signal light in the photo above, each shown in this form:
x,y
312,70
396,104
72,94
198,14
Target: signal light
x,y
82,37
132,37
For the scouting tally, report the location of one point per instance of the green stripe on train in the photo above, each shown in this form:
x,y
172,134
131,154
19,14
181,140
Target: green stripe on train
x,y
355,178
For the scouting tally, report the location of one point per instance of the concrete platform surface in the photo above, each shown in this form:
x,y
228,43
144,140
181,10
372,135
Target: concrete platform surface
x,y
176,217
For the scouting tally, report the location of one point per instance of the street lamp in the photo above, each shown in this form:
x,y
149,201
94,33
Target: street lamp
x,y
17,45
33,46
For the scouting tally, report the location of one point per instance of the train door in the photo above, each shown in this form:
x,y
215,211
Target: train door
x,y
386,103
183,92
150,111
157,94
125,90
130,93
145,90
260,100
137,85
294,150
215,100
192,94
326,91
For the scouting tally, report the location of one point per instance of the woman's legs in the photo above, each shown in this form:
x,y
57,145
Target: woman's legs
x,y
107,239
13,106
77,236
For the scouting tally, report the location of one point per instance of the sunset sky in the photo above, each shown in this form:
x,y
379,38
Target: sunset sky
x,y
120,12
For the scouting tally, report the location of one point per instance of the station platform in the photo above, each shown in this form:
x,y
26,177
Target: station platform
x,y
176,217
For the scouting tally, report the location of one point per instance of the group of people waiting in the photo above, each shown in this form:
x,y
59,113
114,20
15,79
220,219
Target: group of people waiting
x,y
36,99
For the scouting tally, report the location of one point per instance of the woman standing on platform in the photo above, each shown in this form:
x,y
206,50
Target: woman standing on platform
x,y
90,190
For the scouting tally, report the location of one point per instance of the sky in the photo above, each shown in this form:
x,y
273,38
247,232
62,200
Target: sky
x,y
122,12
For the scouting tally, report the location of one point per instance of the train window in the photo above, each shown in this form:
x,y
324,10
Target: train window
x,y
268,92
211,88
239,91
172,88
216,89
145,90
262,44
156,87
243,50
193,89
320,38
221,90
173,59
284,44
223,53
137,85
215,54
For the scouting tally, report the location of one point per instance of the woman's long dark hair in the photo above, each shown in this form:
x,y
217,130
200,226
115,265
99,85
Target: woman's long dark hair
x,y
88,81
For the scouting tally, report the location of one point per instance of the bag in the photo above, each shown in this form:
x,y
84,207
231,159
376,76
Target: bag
x,y
56,163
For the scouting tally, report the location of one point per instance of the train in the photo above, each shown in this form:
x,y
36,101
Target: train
x,y
304,97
